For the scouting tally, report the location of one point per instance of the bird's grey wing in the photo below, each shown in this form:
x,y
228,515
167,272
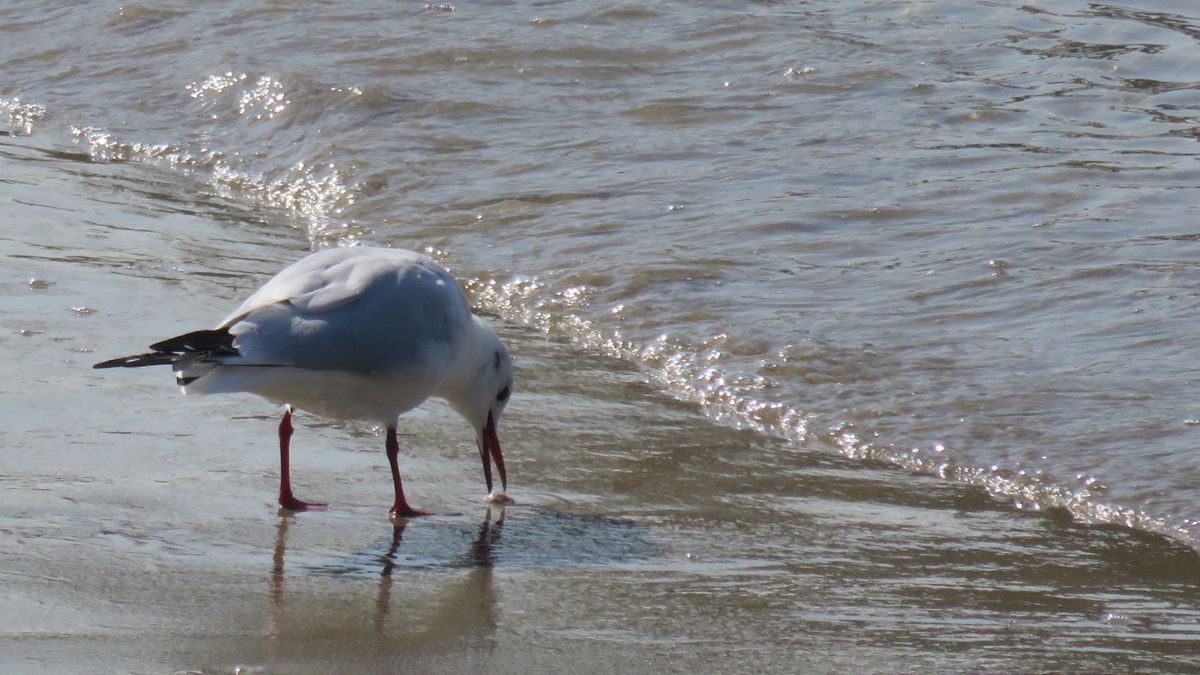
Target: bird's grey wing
x,y
298,279
397,317
325,279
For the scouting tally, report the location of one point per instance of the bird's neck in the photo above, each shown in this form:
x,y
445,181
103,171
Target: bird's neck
x,y
462,386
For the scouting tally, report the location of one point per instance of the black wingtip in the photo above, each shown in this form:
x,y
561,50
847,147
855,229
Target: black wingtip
x,y
139,360
213,341
207,342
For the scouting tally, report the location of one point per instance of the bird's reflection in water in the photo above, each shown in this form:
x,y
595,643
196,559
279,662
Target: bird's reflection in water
x,y
477,584
424,589
275,590
466,612
483,550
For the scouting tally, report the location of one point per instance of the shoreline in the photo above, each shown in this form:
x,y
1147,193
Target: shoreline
x,y
138,533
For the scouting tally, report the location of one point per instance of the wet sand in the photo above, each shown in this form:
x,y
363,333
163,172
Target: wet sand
x,y
138,531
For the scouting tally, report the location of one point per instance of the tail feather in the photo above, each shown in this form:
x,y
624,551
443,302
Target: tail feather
x,y
180,351
139,360
211,341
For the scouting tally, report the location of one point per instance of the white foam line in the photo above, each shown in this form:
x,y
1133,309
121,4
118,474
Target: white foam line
x,y
694,375
314,193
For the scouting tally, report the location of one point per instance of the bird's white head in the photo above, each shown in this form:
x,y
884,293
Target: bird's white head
x,y
478,387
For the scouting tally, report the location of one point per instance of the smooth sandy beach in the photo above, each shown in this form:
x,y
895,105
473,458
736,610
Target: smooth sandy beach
x,y
138,531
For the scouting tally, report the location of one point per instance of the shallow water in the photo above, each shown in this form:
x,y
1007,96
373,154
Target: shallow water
x,y
844,331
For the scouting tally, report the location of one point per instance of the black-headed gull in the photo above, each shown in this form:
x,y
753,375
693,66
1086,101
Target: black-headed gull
x,y
357,333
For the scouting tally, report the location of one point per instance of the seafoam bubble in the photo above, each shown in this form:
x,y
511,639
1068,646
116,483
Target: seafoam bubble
x,y
102,147
264,100
20,115
799,71
1114,617
315,193
214,84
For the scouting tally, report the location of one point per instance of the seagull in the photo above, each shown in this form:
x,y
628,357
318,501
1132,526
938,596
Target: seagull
x,y
354,333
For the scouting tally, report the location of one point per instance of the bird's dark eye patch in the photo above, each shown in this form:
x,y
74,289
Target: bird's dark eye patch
x,y
496,361
504,394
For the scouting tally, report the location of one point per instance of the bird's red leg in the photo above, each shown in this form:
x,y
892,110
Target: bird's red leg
x,y
400,509
286,500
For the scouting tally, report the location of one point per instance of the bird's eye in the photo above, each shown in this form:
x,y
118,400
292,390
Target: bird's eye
x,y
504,394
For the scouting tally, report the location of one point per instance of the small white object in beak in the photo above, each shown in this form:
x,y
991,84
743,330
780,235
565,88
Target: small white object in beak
x,y
499,498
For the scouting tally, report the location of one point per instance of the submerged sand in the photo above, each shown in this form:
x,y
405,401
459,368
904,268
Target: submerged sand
x,y
138,531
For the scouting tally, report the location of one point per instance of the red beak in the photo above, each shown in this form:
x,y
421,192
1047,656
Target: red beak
x,y
489,451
